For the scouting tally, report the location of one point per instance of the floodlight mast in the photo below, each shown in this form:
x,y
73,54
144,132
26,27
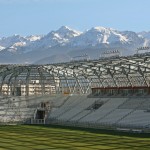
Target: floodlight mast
x,y
108,54
146,48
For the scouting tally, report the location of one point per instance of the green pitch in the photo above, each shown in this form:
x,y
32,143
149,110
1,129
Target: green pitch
x,y
26,137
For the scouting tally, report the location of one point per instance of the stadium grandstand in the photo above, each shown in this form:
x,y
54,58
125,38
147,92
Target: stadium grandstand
x,y
106,93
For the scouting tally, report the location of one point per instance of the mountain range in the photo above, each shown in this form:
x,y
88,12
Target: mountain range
x,y
65,43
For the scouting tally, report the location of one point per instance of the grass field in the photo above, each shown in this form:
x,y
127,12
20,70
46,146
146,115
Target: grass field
x,y
26,137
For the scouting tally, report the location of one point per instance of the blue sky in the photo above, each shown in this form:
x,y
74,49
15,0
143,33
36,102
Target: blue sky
x,y
28,17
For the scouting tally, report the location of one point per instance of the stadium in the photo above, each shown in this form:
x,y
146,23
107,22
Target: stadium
x,y
104,94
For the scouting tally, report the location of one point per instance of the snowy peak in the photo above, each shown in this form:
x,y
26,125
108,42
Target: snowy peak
x,y
146,37
60,37
15,42
9,41
99,35
133,38
67,32
33,38
108,35
101,29
65,28
1,48
144,34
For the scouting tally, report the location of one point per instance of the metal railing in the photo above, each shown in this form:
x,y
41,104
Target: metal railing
x,y
37,121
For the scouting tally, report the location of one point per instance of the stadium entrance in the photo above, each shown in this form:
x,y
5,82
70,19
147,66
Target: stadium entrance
x,y
40,114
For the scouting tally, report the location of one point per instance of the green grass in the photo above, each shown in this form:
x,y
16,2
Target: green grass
x,y
25,137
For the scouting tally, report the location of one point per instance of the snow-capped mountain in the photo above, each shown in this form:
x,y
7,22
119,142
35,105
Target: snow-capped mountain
x,y
144,34
70,42
60,37
133,38
1,48
99,35
67,33
15,42
33,38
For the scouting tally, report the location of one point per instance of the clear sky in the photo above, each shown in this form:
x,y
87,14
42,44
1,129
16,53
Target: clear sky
x,y
28,17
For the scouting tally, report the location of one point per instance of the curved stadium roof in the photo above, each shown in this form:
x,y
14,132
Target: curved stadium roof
x,y
129,71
